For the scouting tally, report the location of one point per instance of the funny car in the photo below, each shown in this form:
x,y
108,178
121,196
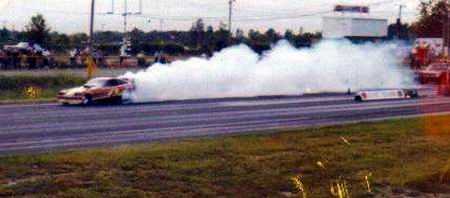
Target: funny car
x,y
97,90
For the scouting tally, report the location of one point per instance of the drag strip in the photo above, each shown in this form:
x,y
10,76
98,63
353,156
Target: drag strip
x,y
49,127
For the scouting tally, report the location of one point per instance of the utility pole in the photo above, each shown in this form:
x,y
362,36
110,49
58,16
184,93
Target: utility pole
x,y
91,27
90,63
126,13
112,8
445,32
399,21
230,14
400,9
125,16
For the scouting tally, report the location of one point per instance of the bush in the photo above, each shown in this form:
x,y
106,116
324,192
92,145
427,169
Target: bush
x,y
168,48
109,48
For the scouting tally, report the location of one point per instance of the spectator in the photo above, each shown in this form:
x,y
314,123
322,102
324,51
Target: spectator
x,y
3,60
141,59
24,61
100,58
73,56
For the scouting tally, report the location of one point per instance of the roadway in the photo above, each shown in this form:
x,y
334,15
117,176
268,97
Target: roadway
x,y
49,127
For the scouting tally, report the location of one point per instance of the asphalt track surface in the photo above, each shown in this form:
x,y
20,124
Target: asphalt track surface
x,y
51,127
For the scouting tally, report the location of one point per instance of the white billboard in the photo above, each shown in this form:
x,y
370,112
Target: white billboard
x,y
340,27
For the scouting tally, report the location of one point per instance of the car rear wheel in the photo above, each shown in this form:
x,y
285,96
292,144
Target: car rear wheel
x,y
358,99
117,100
126,98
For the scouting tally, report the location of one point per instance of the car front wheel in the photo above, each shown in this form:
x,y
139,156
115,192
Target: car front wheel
x,y
87,100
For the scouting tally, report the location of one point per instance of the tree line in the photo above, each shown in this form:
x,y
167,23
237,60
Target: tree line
x,y
202,39
199,39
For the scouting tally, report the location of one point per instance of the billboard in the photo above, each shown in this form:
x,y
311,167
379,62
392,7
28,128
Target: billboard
x,y
340,27
348,8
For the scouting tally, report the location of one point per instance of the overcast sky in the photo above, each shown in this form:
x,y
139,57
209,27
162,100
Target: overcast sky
x,y
72,15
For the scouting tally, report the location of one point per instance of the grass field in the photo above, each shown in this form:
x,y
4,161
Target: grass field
x,y
27,87
392,157
14,85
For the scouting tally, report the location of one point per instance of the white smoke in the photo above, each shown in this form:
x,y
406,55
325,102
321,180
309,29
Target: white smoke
x,y
329,66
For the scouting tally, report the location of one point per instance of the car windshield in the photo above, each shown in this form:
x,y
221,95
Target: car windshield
x,y
439,67
96,83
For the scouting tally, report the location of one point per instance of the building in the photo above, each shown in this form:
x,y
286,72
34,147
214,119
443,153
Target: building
x,y
354,23
356,28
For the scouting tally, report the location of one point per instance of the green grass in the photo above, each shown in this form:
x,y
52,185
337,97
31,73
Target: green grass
x,y
13,88
410,154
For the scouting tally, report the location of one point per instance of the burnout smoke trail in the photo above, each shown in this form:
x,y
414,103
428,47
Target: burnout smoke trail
x,y
330,66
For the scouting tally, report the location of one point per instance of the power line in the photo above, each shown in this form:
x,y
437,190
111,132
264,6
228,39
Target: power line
x,y
286,14
296,16
277,11
381,3
294,11
125,13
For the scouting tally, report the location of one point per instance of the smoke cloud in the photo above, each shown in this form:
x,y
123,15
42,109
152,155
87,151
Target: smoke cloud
x,y
329,66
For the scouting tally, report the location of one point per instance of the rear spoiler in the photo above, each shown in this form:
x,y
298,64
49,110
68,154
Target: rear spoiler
x,y
130,81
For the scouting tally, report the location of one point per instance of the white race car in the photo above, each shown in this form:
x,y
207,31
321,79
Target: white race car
x,y
386,94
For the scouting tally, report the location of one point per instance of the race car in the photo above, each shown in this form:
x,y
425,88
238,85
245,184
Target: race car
x,y
97,90
432,73
386,94
444,84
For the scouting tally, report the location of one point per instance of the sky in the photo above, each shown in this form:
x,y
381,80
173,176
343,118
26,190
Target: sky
x,y
72,16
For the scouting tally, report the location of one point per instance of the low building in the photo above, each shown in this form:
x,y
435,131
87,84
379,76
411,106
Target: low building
x,y
355,28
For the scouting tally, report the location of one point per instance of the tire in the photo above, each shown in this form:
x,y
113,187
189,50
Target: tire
x,y
126,97
358,99
422,81
87,100
414,95
117,100
444,90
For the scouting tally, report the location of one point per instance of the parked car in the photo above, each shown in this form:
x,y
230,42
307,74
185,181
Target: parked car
x,y
98,90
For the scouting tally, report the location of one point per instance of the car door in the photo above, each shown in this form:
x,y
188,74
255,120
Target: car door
x,y
103,92
115,87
